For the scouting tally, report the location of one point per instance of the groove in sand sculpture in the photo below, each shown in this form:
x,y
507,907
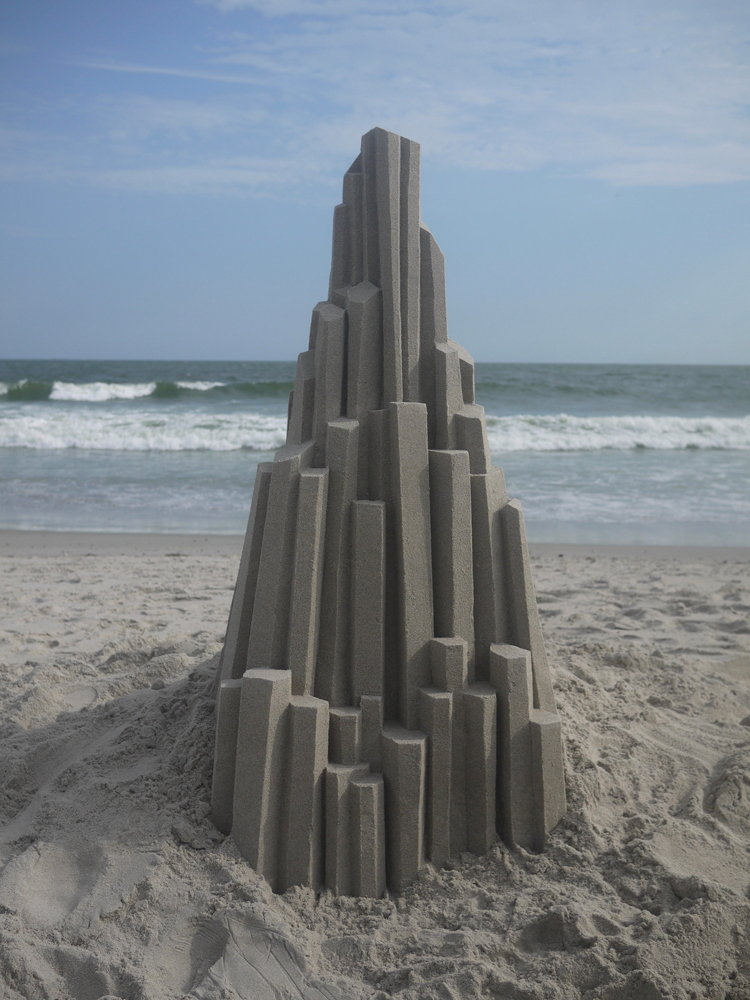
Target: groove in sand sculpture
x,y
384,692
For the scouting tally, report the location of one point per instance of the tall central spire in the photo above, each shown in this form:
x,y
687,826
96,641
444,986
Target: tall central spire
x,y
384,691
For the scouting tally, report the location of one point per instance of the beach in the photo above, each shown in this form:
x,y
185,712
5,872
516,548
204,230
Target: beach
x,y
115,883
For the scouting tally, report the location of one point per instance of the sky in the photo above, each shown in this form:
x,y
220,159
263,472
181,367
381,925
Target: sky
x,y
169,168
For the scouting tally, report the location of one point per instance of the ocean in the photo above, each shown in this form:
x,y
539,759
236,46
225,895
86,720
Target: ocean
x,y
634,454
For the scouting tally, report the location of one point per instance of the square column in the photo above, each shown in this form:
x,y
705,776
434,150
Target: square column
x,y
510,672
480,716
525,628
488,495
300,427
330,350
471,435
306,760
368,597
345,735
367,804
404,773
371,707
450,672
307,579
332,680
267,643
339,868
234,653
549,777
453,572
409,252
436,719
261,769
410,492
222,786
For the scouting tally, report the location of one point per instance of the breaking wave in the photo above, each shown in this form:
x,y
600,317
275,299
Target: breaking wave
x,y
621,433
143,431
29,391
149,428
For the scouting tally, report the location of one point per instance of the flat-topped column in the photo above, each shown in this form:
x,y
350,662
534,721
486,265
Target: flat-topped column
x,y
339,827
368,597
548,776
488,495
227,721
480,717
367,807
234,654
404,772
301,417
307,579
471,435
525,629
510,672
332,676
409,254
364,382
304,828
449,397
353,192
260,770
449,664
436,720
381,156
410,491
267,642
330,351
345,735
453,574
433,326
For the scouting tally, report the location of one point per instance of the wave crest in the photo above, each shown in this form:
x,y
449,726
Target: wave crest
x,y
143,431
153,429
28,391
562,432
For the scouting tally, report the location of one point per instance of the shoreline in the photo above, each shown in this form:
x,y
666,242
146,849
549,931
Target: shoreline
x,y
19,542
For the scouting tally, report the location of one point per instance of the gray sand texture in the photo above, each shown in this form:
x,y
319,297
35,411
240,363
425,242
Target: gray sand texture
x,y
384,697
115,882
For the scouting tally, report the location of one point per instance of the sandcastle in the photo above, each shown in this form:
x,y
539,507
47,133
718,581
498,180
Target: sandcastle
x,y
384,697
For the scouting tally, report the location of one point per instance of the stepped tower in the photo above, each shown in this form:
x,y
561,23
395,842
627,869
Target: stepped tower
x,y
384,696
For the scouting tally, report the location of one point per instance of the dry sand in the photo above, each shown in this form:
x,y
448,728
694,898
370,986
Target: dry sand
x,y
114,883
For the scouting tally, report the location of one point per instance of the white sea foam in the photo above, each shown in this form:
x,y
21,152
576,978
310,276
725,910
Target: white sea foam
x,y
99,392
624,433
36,426
200,386
140,431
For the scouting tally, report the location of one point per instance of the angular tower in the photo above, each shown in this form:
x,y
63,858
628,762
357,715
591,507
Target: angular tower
x,y
384,694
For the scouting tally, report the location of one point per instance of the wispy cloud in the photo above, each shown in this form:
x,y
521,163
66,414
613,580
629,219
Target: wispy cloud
x,y
637,93
189,74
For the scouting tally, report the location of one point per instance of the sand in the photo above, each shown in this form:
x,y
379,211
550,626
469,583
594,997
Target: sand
x,y
115,884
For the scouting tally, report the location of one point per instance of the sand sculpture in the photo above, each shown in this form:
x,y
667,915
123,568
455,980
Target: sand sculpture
x,y
384,693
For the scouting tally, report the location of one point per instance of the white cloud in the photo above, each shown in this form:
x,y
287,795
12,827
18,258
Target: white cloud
x,y
189,74
636,93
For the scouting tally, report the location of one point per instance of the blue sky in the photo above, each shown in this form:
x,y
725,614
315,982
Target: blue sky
x,y
169,169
